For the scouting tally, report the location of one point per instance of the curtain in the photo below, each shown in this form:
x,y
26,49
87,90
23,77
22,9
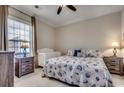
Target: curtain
x,y
3,27
34,42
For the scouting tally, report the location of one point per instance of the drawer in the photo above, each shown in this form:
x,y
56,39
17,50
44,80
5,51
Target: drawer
x,y
113,62
114,67
27,69
27,65
27,59
27,62
111,70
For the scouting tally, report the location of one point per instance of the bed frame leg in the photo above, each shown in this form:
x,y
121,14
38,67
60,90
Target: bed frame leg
x,y
43,76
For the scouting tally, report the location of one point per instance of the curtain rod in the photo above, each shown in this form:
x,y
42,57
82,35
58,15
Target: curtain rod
x,y
20,11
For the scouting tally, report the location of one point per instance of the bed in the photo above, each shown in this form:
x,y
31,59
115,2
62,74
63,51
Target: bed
x,y
80,71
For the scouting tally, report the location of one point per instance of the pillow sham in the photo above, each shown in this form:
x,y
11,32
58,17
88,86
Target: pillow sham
x,y
70,52
92,53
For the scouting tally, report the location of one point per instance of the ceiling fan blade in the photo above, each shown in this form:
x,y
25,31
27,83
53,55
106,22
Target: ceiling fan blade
x,y
59,10
71,7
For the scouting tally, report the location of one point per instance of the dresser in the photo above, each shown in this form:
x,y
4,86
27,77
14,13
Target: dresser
x,y
6,69
114,64
24,66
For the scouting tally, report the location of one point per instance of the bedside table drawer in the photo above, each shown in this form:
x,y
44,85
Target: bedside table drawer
x,y
27,70
114,68
27,65
27,60
114,61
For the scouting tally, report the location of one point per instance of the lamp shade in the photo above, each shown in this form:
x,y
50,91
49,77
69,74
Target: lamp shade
x,y
115,45
24,45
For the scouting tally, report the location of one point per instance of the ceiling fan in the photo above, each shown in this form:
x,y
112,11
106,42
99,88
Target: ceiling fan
x,y
71,7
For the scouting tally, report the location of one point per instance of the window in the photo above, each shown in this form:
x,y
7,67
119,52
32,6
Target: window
x,y
18,34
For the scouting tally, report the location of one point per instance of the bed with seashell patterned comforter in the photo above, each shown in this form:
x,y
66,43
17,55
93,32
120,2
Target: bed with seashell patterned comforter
x,y
84,72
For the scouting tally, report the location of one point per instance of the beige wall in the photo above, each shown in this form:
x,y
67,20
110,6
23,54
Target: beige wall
x,y
93,33
45,35
122,28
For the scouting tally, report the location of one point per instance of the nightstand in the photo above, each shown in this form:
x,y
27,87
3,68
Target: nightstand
x,y
114,64
24,65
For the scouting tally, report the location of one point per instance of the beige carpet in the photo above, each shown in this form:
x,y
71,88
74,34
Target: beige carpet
x,y
35,80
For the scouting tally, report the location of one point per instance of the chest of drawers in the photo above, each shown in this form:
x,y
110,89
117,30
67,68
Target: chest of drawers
x,y
24,66
114,64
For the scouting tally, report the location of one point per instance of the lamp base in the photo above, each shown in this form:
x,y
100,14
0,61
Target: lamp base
x,y
24,52
115,52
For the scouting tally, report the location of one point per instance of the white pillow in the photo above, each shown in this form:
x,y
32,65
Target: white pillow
x,y
70,52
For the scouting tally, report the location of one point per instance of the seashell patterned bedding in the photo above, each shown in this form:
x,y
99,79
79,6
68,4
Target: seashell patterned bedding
x,y
84,72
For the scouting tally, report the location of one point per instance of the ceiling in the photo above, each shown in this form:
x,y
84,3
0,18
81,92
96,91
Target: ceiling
x,y
48,13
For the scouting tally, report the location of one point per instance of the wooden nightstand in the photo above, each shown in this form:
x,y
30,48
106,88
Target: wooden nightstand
x,y
24,66
114,64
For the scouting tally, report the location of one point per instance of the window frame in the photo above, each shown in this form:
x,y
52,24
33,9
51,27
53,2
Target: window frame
x,y
19,35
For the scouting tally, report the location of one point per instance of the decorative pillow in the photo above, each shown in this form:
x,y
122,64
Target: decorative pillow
x,y
70,52
92,53
83,53
77,53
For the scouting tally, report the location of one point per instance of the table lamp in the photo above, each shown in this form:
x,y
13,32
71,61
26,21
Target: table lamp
x,y
115,45
24,46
